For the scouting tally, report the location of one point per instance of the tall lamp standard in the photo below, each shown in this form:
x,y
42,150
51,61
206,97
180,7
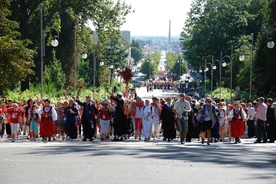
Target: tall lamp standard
x,y
200,71
231,70
180,67
207,69
221,64
148,61
54,43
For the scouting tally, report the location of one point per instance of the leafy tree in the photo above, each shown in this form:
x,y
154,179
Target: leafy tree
x,y
16,58
176,64
264,65
150,64
214,26
53,74
136,51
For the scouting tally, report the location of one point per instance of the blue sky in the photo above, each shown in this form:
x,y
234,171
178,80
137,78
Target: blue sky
x,y
151,17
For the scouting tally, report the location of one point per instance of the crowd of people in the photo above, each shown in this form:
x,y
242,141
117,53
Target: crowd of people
x,y
181,118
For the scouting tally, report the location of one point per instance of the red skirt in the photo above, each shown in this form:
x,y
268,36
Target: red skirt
x,y
237,128
47,127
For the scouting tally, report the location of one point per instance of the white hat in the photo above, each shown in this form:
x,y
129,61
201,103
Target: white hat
x,y
120,94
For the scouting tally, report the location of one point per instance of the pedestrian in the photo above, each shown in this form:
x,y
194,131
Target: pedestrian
x,y
15,120
34,118
48,117
250,120
156,111
147,120
270,124
71,113
210,118
261,111
88,118
138,117
105,116
119,118
192,123
222,121
167,118
237,116
181,108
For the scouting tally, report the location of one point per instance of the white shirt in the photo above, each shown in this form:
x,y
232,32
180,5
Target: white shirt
x,y
241,116
251,113
146,112
54,112
138,112
179,106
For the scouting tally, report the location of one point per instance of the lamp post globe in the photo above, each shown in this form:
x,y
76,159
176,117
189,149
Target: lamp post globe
x,y
270,44
54,42
84,56
241,58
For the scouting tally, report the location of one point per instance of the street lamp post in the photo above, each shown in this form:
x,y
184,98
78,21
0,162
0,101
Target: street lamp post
x,y
251,65
180,68
54,43
231,70
221,64
148,61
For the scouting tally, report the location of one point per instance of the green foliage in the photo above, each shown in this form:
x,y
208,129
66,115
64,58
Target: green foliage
x,y
136,51
224,93
15,58
150,64
214,26
176,64
53,76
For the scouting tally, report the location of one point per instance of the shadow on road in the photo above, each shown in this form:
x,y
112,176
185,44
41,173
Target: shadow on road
x,y
251,156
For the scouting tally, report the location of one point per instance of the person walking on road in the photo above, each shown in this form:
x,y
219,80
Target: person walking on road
x,y
261,111
147,120
270,124
237,116
88,118
181,108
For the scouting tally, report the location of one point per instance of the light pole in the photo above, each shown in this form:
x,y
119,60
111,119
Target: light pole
x,y
251,65
54,43
221,64
148,61
200,71
231,70
212,66
180,67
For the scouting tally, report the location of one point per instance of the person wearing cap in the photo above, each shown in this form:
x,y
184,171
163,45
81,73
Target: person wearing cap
x,y
261,111
181,109
48,117
88,118
119,122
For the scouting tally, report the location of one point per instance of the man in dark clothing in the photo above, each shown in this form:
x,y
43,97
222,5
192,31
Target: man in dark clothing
x,y
120,117
88,118
168,121
270,123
